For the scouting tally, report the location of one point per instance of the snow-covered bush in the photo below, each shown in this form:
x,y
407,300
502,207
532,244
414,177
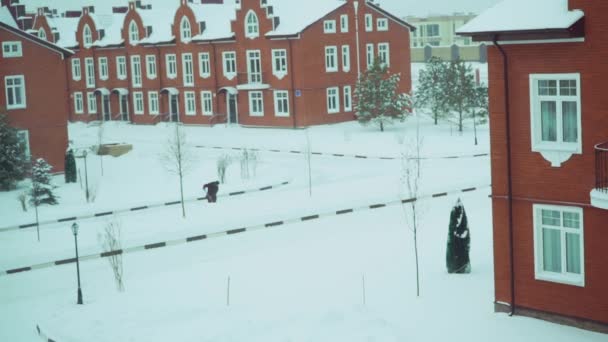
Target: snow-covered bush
x,y
459,241
42,189
223,162
13,161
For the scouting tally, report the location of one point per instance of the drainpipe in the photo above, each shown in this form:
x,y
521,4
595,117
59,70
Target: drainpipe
x,y
68,64
509,170
215,84
293,88
356,4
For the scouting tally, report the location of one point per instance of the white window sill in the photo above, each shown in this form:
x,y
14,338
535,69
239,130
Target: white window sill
x,y
171,77
205,75
92,113
279,74
207,114
16,107
282,115
230,76
138,113
599,199
256,115
154,114
253,36
151,77
557,154
574,280
190,114
253,86
103,78
333,112
77,79
331,70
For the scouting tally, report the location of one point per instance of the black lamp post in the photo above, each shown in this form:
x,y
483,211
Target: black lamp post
x,y
75,231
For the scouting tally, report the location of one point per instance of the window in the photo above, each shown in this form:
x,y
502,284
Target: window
x,y
345,58
133,33
555,105
121,67
382,24
136,71
153,102
254,66
333,100
348,98
256,103
89,65
15,92
103,67
370,55
138,102
369,23
92,103
344,23
252,29
185,30
190,99
78,105
76,70
87,36
11,49
384,54
281,103
24,143
207,102
279,63
151,66
188,70
171,62
204,65
430,30
229,58
42,34
329,26
559,244
331,63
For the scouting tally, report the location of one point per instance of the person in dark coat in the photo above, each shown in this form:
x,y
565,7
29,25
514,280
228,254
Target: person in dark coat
x,y
212,189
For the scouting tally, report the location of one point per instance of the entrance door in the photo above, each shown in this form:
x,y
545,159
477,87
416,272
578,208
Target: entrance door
x,y
105,107
174,108
232,109
124,107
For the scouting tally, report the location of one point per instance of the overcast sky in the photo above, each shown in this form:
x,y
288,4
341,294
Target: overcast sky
x,y
399,7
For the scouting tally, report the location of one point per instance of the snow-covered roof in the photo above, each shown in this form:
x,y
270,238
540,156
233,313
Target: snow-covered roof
x,y
112,26
66,27
160,17
217,18
524,15
6,17
294,19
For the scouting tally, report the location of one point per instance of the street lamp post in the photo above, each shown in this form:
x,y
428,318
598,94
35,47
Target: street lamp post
x,y
75,232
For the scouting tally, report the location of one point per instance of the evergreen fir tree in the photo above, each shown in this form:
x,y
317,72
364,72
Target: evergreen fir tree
x,y
70,167
432,87
459,241
42,189
13,160
377,99
463,96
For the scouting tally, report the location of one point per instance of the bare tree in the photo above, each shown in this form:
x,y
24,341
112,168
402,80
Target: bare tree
x,y
110,241
222,164
178,159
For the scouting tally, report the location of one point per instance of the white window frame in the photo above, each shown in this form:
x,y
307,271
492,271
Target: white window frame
x,y
281,99
121,67
151,70
229,64
345,58
76,69
256,96
89,72
254,66
136,78
87,36
190,102
188,69
344,23
133,33
91,103
370,55
279,63
12,49
103,68
78,103
331,58
347,98
207,103
384,53
252,29
329,26
559,151
185,30
204,64
564,277
138,103
20,88
171,65
333,93
382,24
369,23
153,104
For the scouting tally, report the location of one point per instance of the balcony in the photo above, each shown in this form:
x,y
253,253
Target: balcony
x,y
599,195
252,81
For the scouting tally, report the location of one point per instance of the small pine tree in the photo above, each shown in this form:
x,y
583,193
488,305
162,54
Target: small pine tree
x,y
459,241
42,189
13,161
377,99
70,167
432,88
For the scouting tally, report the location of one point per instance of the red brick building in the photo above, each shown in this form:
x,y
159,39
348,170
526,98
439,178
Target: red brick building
x,y
33,90
549,125
252,62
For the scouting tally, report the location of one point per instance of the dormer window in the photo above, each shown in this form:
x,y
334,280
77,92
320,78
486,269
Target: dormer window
x,y
133,33
87,36
185,30
42,34
252,29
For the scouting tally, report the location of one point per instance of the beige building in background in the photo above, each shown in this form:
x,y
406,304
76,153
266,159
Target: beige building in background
x,y
439,30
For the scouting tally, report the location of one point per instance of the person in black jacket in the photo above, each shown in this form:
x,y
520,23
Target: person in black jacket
x,y
212,189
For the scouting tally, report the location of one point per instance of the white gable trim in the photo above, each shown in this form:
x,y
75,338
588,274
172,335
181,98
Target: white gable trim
x,y
388,17
539,41
27,37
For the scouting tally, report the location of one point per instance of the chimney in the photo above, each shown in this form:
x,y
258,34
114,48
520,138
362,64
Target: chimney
x,y
120,9
102,33
72,14
212,2
56,37
202,26
148,31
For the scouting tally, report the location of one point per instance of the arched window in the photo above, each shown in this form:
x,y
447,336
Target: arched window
x,y
185,31
252,28
42,34
87,36
133,32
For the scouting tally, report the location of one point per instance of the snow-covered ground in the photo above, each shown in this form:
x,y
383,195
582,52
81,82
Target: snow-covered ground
x,y
341,278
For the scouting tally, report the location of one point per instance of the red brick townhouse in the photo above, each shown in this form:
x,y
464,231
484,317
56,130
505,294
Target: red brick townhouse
x,y
252,62
33,90
549,128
